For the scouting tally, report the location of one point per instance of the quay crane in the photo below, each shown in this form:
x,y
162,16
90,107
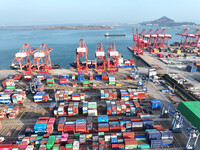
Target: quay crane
x,y
186,38
162,38
80,51
42,57
100,55
196,39
24,58
113,65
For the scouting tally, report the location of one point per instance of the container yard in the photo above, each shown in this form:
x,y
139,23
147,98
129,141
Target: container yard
x,y
108,103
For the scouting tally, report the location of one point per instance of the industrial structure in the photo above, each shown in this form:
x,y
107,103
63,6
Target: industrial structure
x,y
42,58
81,51
113,54
100,56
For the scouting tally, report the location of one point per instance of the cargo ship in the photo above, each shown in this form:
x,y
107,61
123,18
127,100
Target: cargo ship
x,y
122,63
107,34
16,67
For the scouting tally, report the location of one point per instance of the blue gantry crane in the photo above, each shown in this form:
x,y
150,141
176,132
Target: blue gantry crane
x,y
33,84
143,83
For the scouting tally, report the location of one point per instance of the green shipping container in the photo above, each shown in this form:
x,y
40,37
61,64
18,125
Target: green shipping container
x,y
39,138
50,142
68,146
76,135
86,82
10,87
55,148
191,111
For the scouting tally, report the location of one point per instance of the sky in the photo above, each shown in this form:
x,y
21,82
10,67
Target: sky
x,y
49,12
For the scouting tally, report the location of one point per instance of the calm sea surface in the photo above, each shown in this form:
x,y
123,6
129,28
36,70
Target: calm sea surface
x,y
65,42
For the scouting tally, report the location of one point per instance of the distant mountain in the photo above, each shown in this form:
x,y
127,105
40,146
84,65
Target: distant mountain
x,y
165,21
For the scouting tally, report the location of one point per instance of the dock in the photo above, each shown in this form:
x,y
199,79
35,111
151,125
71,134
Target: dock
x,y
145,59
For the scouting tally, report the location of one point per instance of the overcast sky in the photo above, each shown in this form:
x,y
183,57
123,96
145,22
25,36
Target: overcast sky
x,y
44,12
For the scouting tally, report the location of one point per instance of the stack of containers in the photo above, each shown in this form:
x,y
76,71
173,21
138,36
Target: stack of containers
x,y
92,109
167,137
124,95
80,77
3,111
41,125
63,81
78,97
120,108
50,82
74,84
148,123
99,77
63,95
86,83
9,84
104,76
81,126
69,127
14,113
111,79
19,98
73,109
103,125
85,108
73,77
109,94
137,106
41,97
89,124
91,76
61,124
155,104
5,98
66,76
137,124
60,112
154,138
64,138
114,126
129,140
50,142
50,125
48,76
52,106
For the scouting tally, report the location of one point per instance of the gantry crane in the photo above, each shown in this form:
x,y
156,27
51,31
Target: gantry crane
x,y
146,36
163,38
42,58
196,39
80,52
138,43
100,55
24,57
186,38
113,65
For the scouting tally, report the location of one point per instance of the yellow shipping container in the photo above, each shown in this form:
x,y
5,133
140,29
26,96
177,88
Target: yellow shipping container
x,y
156,50
178,52
118,84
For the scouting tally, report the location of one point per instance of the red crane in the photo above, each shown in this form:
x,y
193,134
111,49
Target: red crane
x,y
139,43
146,37
163,38
100,55
42,57
113,65
196,39
24,58
80,51
185,37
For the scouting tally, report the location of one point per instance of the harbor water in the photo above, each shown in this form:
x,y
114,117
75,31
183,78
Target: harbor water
x,y
65,42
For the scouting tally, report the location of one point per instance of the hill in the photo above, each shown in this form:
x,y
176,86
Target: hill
x,y
165,21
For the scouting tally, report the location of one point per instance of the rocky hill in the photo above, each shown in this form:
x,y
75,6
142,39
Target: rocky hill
x,y
165,21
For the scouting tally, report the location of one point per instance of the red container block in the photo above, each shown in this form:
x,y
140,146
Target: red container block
x,y
128,135
130,142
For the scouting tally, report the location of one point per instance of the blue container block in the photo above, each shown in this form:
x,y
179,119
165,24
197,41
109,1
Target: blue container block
x,y
98,77
155,104
153,135
103,118
156,143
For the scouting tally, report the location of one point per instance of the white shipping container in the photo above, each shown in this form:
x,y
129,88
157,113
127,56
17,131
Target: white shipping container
x,y
20,55
39,54
76,145
81,49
